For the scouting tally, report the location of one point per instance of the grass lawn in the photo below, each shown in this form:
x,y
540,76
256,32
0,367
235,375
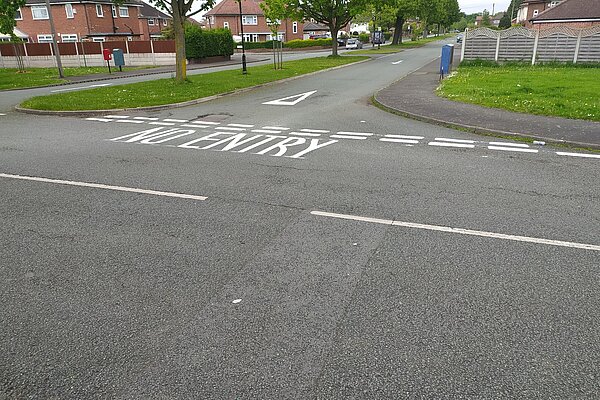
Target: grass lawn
x,y
11,78
559,90
395,48
166,91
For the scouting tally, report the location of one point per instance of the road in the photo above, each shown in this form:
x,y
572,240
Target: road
x,y
326,249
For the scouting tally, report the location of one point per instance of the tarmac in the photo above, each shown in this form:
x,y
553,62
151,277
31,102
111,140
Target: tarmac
x,y
414,96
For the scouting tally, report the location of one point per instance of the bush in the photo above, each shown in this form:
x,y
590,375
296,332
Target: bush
x,y
364,37
258,45
297,43
387,35
207,43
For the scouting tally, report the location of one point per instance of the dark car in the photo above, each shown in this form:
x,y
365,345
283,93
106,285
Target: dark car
x,y
459,39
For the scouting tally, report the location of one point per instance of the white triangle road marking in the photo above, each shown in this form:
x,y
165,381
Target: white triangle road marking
x,y
287,101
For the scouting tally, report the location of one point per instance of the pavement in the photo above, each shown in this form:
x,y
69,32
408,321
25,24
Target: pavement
x,y
414,96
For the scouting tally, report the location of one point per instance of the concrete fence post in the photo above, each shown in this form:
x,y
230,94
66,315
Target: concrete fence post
x,y
152,50
535,46
52,55
497,47
464,44
26,60
577,47
1,59
127,49
77,53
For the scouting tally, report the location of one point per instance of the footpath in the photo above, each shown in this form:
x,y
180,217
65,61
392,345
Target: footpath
x,y
414,96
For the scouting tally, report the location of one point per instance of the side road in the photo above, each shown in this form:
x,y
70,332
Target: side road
x,y
414,96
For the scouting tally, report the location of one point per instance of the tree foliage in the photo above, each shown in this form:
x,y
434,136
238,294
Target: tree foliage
x,y
8,9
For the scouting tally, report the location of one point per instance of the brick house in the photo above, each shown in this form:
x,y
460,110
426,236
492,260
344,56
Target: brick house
x,y
89,20
226,14
152,21
570,13
532,8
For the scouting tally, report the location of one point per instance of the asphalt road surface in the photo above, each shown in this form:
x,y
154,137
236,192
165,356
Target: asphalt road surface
x,y
313,247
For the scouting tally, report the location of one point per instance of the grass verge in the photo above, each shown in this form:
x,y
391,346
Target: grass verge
x,y
166,91
11,78
569,91
395,48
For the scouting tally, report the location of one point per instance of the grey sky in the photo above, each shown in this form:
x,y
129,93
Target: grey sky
x,y
473,6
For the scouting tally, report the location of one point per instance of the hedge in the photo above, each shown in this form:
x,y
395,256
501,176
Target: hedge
x,y
298,43
207,43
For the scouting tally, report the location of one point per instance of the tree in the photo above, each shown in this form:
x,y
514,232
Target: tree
x,y
275,11
485,18
180,10
8,9
334,13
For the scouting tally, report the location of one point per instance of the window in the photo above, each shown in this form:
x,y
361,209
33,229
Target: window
x,y
554,3
165,22
249,20
535,13
18,15
151,21
226,25
98,39
250,37
123,12
69,10
114,11
99,10
295,27
44,38
68,38
39,12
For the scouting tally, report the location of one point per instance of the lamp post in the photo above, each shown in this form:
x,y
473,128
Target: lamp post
x,y
244,71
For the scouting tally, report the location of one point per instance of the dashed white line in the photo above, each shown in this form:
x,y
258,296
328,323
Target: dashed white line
x,y
264,131
305,134
116,116
405,137
397,62
146,118
348,137
241,125
584,155
276,128
314,130
461,231
444,144
409,141
205,122
162,123
354,133
508,144
441,139
99,119
102,186
129,121
517,149
226,128
175,120
2,114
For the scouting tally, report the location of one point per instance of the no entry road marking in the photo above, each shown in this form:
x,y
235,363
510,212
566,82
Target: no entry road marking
x,y
102,186
290,100
81,87
460,231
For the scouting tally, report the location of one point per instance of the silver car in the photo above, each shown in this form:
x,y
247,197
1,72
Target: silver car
x,y
354,44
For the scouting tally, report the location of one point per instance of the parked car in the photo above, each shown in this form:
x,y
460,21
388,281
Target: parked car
x,y
354,44
459,39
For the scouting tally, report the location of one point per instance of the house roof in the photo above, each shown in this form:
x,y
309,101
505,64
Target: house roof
x,y
571,10
231,7
147,11
313,26
134,3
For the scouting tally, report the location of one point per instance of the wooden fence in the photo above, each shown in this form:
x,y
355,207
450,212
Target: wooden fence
x,y
562,44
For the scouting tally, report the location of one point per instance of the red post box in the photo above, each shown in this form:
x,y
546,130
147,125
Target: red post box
x,y
107,54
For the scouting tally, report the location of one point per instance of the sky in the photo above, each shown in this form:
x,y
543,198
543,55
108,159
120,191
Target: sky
x,y
473,6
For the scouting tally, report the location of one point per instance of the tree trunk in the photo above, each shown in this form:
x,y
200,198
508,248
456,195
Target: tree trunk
x,y
334,43
398,29
180,61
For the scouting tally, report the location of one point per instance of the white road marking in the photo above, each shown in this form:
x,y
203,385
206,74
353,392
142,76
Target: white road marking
x,y
399,140
585,155
205,122
508,144
305,134
129,121
226,128
441,139
161,123
397,62
193,126
443,144
241,125
80,87
102,186
314,130
175,120
287,101
348,137
146,118
2,114
461,231
264,131
354,133
277,128
405,137
236,301
116,116
518,149
99,119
